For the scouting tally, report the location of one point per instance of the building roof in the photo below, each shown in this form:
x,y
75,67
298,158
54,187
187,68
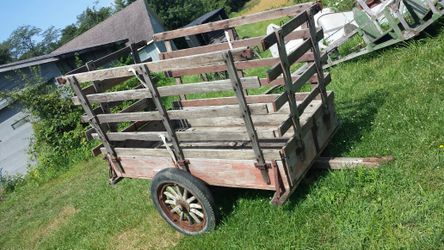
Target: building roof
x,y
54,56
202,19
135,23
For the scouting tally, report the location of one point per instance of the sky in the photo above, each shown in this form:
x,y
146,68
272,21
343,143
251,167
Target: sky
x,y
42,13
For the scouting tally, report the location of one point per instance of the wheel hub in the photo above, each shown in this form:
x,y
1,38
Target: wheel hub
x,y
182,207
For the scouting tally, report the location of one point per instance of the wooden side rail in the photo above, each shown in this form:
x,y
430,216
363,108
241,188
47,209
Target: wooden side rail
x,y
208,59
125,51
201,112
234,22
248,42
173,90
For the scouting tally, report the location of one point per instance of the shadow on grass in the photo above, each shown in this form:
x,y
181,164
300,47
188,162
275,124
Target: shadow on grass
x,y
356,117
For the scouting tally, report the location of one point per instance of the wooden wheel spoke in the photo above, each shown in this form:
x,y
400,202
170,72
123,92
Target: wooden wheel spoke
x,y
172,191
195,205
197,212
169,195
176,209
195,218
191,199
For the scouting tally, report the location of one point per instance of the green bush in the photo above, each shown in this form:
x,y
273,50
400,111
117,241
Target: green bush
x,y
59,139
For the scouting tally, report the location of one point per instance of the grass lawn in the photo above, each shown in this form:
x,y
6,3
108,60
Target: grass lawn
x,y
390,103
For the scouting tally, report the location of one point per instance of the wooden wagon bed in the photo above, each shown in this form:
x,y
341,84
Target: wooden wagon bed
x,y
266,141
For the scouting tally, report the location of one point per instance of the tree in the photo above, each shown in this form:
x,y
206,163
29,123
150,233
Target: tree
x,y
120,4
68,33
29,41
23,41
5,53
90,17
85,21
178,13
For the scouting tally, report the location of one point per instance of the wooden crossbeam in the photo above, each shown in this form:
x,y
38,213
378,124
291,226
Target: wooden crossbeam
x,y
248,42
196,61
173,90
233,22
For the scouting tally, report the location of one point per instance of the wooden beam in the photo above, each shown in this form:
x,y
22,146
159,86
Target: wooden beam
x,y
248,42
293,57
201,112
338,163
109,58
240,65
288,27
172,90
238,154
196,61
233,22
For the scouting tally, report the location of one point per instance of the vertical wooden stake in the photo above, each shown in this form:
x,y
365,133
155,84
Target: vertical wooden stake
x,y
294,113
246,114
90,66
94,121
317,61
147,82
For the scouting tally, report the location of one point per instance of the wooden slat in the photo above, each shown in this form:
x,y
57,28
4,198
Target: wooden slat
x,y
248,42
308,99
288,27
240,65
304,78
294,56
110,57
173,90
202,134
283,128
259,120
233,22
226,101
201,112
237,154
105,84
196,61
137,106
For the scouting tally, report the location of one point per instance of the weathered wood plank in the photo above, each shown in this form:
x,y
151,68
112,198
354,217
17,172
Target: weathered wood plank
x,y
240,65
217,172
194,134
233,22
105,85
173,90
201,112
297,21
337,163
196,61
234,154
309,111
304,77
259,120
270,98
248,42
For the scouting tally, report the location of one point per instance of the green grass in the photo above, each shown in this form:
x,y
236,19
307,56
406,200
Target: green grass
x,y
390,103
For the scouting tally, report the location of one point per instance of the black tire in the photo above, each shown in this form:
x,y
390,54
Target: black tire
x,y
168,191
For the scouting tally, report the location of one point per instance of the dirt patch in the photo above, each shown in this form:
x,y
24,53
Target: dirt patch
x,y
155,234
64,215
263,5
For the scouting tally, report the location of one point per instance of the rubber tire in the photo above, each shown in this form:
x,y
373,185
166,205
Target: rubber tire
x,y
195,186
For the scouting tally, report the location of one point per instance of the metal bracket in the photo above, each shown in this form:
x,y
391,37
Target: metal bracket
x,y
261,167
183,164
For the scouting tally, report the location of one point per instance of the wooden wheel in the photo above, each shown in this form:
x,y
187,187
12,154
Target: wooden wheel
x,y
183,201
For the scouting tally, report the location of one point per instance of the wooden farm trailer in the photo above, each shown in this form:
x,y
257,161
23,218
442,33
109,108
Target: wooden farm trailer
x,y
266,142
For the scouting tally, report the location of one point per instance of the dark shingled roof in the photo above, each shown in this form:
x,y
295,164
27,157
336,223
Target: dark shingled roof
x,y
204,18
54,56
135,23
